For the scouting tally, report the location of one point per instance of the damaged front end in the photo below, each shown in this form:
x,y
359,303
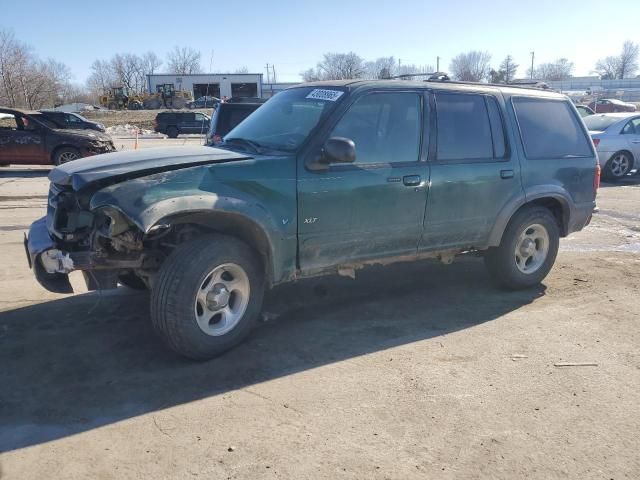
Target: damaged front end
x,y
103,244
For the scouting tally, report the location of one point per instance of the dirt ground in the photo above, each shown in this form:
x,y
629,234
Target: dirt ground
x,y
139,118
411,371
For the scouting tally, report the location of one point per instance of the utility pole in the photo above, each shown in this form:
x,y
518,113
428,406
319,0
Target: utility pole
x,y
533,56
437,64
273,68
268,71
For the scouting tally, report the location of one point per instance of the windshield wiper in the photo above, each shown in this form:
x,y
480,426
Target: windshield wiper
x,y
256,147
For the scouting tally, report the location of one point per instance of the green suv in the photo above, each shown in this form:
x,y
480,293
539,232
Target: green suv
x,y
323,178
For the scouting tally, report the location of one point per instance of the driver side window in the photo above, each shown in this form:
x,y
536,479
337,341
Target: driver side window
x,y
385,127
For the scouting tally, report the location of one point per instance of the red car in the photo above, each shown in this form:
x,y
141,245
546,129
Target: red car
x,y
611,105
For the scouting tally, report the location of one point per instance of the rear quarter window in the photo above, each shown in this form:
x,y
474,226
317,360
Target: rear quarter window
x,y
550,129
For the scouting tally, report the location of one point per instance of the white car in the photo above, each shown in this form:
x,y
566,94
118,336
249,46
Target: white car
x,y
616,137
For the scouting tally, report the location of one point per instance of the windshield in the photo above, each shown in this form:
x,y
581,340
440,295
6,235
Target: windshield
x,y
286,120
600,122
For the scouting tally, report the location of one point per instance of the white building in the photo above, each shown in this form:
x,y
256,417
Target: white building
x,y
212,84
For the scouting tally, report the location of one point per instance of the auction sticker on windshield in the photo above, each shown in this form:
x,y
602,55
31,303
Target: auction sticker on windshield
x,y
330,95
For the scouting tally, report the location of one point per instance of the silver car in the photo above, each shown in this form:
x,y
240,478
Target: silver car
x,y
616,137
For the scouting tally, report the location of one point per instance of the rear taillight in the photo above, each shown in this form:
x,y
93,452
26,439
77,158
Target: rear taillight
x,y
217,138
596,141
596,178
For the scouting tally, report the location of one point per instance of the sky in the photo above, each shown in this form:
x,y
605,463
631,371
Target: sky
x,y
293,35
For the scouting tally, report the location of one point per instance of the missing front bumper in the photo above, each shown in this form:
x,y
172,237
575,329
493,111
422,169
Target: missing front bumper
x,y
100,273
37,242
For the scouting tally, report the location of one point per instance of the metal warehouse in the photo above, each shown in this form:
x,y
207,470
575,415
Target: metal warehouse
x,y
215,84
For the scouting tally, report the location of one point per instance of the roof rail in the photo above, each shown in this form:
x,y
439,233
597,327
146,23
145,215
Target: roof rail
x,y
430,75
526,86
443,77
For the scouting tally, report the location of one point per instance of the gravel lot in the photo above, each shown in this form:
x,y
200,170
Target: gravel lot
x,y
411,371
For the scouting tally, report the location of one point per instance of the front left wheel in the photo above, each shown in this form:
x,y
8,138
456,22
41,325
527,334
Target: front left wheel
x,y
207,296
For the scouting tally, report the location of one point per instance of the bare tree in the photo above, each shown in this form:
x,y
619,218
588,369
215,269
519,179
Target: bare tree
x,y
509,67
561,69
628,63
150,63
27,81
336,66
380,68
472,66
607,68
243,69
102,77
184,61
623,65
310,75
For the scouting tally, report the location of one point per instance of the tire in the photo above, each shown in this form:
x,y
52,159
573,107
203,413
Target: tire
x,y
618,166
131,281
65,154
508,267
203,331
113,106
172,132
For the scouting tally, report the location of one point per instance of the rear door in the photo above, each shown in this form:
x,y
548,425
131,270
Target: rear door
x,y
474,172
187,123
374,207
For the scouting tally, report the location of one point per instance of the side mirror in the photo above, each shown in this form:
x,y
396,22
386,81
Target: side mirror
x,y
339,150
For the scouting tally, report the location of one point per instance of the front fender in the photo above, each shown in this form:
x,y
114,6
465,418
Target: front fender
x,y
267,203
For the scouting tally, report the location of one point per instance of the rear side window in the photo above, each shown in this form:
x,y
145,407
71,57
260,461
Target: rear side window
x,y
230,118
464,132
167,117
550,129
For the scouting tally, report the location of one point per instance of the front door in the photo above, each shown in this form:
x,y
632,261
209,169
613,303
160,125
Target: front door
x,y
375,206
474,173
21,141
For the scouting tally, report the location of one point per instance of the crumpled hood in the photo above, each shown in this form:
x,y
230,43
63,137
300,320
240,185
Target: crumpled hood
x,y
89,135
137,163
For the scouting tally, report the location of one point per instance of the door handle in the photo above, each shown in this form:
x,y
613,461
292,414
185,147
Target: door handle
x,y
411,180
635,141
506,174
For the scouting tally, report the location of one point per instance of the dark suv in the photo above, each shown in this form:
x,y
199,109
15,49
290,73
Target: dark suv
x,y
72,120
31,138
323,178
175,122
226,117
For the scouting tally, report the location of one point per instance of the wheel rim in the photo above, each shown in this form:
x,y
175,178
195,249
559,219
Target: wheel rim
x,y
620,165
532,248
65,157
222,299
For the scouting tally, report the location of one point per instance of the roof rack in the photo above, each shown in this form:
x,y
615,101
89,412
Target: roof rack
x,y
443,77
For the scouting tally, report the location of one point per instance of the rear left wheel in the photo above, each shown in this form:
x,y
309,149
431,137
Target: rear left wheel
x,y
527,251
66,154
172,132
